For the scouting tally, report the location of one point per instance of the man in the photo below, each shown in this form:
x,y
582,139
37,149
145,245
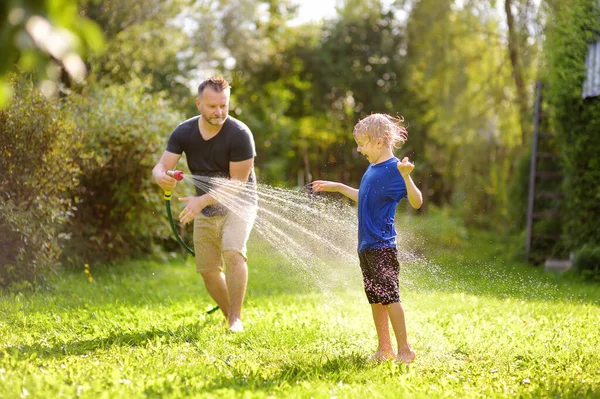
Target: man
x,y
216,146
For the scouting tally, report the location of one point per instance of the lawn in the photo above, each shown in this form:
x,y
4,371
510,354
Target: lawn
x,y
482,326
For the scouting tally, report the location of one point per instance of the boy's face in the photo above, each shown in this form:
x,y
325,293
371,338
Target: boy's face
x,y
370,148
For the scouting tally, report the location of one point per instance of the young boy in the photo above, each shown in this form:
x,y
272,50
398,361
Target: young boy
x,y
386,181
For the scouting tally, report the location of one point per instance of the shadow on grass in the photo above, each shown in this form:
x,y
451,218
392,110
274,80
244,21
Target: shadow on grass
x,y
345,369
184,333
287,378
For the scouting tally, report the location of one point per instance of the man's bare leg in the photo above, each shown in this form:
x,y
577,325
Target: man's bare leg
x,y
214,281
236,271
405,353
384,344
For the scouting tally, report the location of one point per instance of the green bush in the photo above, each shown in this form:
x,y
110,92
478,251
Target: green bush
x,y
38,144
119,208
586,262
576,121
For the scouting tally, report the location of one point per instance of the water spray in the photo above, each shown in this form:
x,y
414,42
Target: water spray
x,y
178,175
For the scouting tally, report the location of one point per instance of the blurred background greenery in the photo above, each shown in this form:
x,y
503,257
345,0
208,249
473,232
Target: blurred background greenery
x,y
90,90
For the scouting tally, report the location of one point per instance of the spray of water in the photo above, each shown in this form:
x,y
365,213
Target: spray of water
x,y
316,235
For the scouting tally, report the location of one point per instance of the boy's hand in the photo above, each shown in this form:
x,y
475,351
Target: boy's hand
x,y
324,185
405,167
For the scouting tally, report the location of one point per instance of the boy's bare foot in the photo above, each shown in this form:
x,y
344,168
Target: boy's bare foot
x,y
381,356
406,355
236,326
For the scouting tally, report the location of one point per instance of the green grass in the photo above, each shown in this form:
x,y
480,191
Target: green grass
x,y
482,327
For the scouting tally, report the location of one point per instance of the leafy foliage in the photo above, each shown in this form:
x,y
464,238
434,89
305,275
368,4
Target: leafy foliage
x,y
443,65
118,204
38,146
145,41
45,38
303,99
587,262
576,121
470,126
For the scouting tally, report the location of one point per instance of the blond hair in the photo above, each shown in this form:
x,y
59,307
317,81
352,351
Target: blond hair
x,y
382,126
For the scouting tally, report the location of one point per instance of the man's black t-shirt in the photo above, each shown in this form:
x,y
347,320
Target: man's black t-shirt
x,y
210,158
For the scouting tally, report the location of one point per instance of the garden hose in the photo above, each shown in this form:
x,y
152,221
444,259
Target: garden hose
x,y
167,198
178,175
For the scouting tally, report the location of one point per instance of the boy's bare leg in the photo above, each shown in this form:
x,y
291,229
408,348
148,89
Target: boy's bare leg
x,y
237,279
405,353
384,344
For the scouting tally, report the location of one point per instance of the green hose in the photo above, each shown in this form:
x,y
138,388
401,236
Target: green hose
x,y
167,198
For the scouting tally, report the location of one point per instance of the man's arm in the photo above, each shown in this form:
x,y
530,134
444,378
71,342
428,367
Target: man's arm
x,y
167,161
239,173
335,187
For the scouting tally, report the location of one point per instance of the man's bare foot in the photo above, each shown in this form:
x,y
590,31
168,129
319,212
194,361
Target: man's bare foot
x,y
381,356
406,355
236,326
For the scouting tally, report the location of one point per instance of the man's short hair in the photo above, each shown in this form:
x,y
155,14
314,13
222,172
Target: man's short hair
x,y
217,83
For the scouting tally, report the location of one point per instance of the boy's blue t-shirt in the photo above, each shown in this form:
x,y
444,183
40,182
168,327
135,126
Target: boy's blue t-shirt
x,y
381,189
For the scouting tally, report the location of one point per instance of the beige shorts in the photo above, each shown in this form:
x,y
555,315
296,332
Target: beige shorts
x,y
216,234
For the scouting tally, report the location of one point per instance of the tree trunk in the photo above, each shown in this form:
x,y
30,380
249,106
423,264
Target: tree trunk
x,y
513,51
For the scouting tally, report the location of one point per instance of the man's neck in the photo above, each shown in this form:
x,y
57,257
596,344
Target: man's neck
x,y
206,129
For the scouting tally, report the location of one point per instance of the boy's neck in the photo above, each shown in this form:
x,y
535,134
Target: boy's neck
x,y
385,155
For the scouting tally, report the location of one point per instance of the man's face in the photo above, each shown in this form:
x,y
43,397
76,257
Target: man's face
x,y
213,106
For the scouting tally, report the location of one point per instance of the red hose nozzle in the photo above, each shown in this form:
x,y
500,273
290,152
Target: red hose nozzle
x,y
175,174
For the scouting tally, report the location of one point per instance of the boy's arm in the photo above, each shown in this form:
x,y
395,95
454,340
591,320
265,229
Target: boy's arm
x,y
335,187
415,198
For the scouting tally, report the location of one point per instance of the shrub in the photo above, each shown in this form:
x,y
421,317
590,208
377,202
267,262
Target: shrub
x,y
37,148
119,208
586,262
576,121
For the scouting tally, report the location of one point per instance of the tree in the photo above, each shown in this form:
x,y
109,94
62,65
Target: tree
x,y
458,60
523,25
145,41
45,38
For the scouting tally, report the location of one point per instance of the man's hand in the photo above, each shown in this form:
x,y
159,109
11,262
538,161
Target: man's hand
x,y
165,181
192,209
405,167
